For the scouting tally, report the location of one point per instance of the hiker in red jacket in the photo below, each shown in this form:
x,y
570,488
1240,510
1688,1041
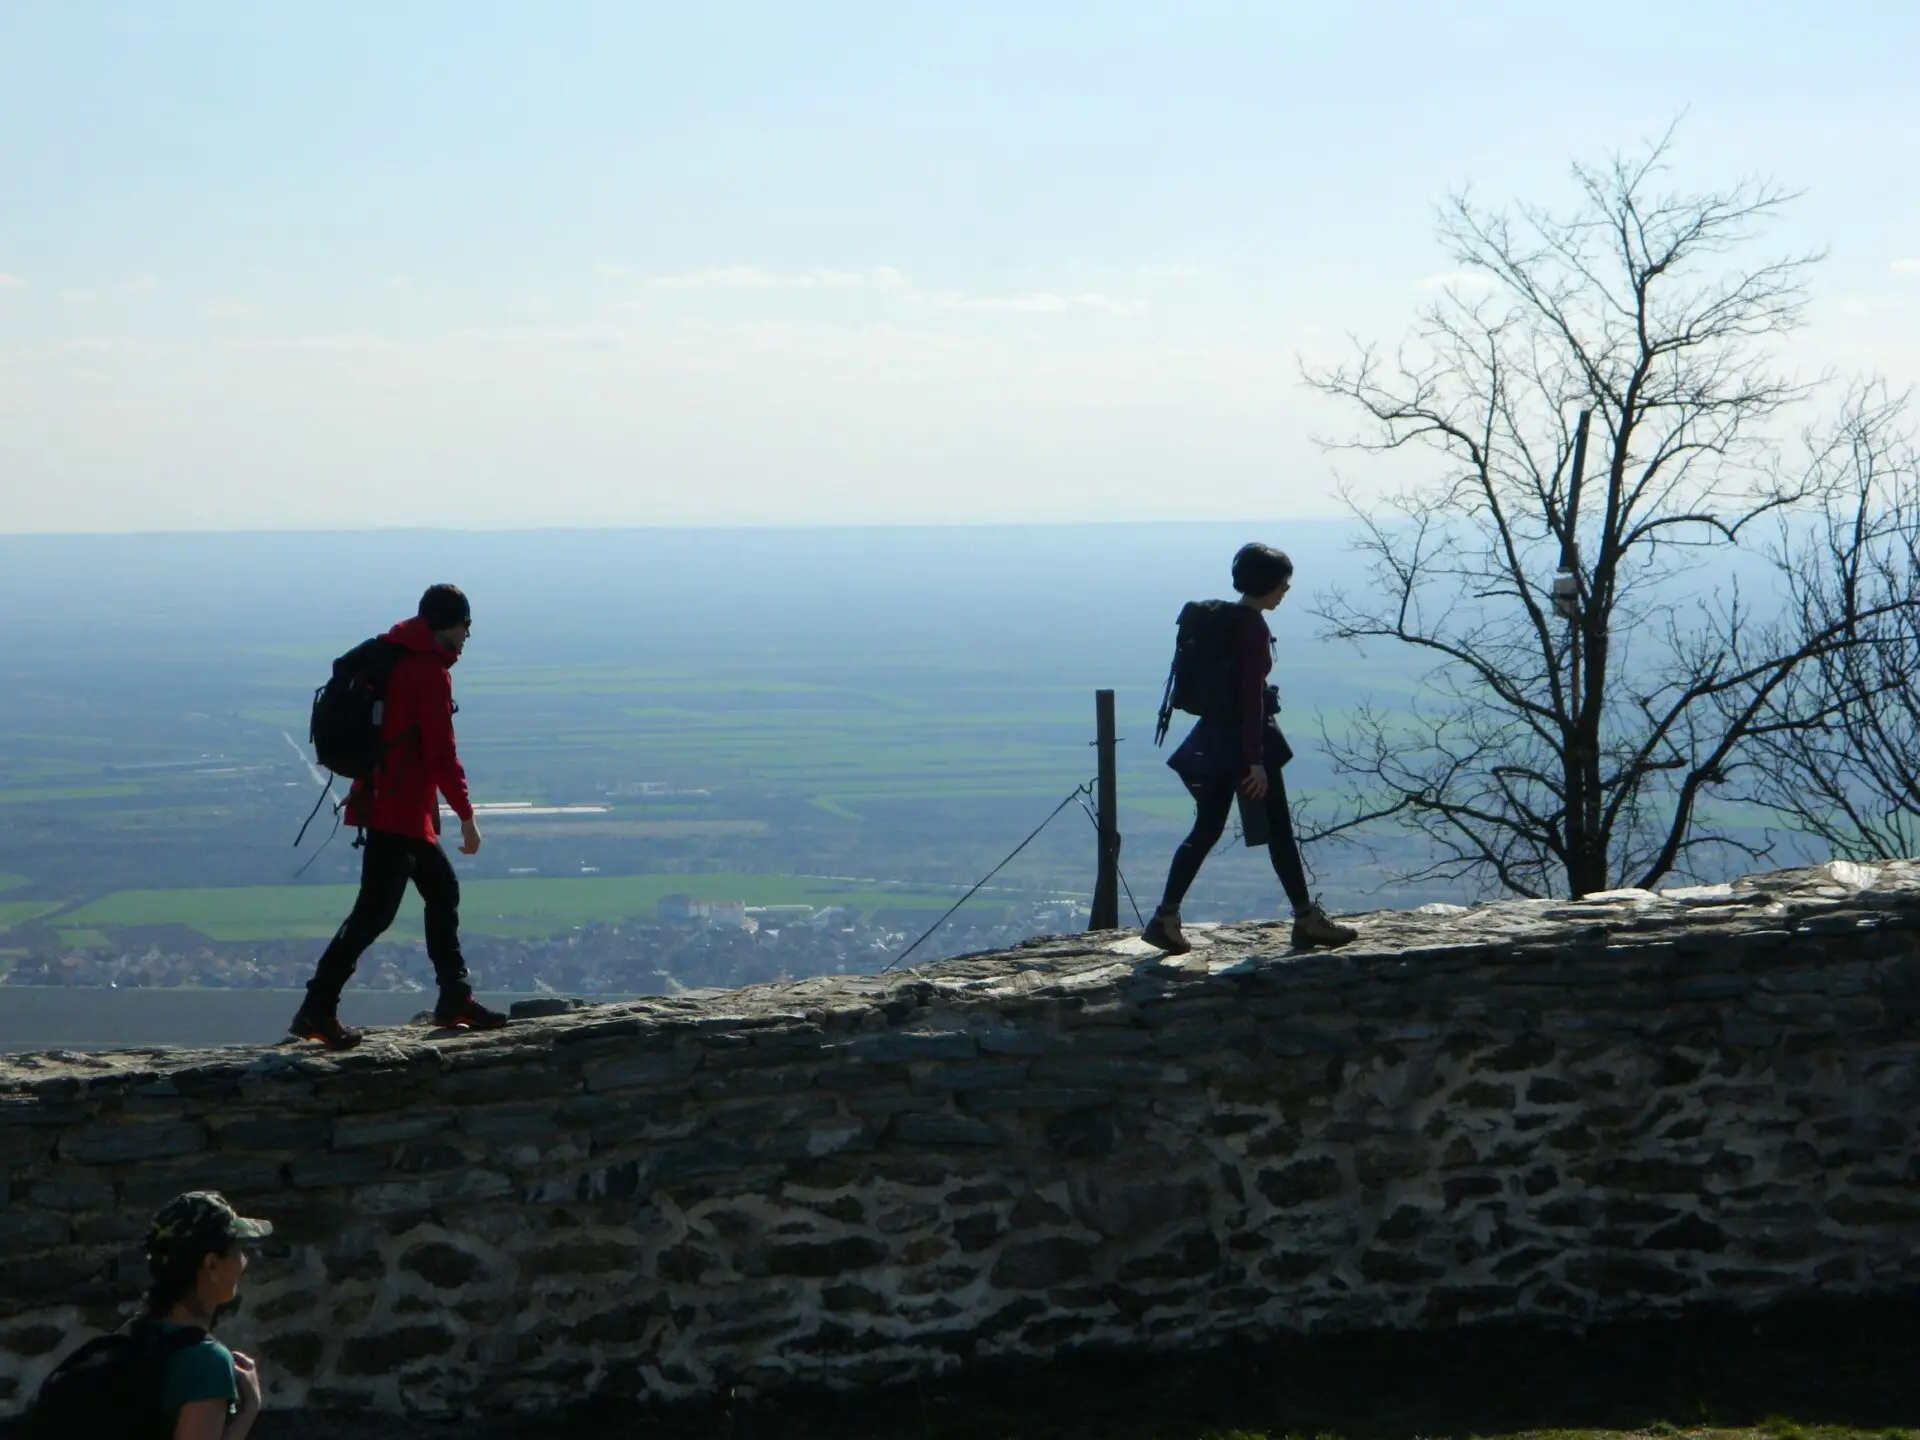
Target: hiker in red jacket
x,y
398,809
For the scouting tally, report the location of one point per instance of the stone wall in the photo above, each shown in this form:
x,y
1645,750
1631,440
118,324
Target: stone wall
x,y
1565,1111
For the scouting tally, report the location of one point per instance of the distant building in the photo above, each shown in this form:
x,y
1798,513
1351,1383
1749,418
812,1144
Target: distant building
x,y
653,790
781,914
684,909
730,914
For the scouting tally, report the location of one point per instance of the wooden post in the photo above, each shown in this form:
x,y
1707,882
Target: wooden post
x,y
1106,885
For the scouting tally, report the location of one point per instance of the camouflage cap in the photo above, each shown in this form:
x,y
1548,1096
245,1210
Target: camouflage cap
x,y
200,1217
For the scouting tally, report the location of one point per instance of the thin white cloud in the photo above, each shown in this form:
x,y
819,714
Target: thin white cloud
x,y
1469,280
1909,266
882,279
11,282
345,343
751,277
1858,306
102,345
232,310
1041,304
140,285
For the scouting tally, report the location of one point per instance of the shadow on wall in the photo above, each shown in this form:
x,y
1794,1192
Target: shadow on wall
x,y
1846,1363
1840,1364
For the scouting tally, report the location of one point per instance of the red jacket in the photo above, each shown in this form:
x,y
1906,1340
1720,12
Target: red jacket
x,y
402,797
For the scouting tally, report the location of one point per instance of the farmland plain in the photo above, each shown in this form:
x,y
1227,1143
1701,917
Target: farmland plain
x,y
711,711
734,710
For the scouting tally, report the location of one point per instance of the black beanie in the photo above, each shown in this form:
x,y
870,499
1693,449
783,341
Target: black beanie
x,y
445,606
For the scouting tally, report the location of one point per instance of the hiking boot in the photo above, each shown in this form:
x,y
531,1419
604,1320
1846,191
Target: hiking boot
x,y
463,1012
1163,931
315,1022
1312,926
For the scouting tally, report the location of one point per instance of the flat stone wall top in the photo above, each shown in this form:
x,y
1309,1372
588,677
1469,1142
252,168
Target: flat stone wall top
x,y
1756,912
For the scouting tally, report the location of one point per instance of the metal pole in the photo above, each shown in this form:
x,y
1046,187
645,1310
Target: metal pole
x,y
1582,801
1566,585
1106,885
1569,545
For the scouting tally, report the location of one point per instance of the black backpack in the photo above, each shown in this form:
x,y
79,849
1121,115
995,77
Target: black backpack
x,y
1206,662
348,710
110,1388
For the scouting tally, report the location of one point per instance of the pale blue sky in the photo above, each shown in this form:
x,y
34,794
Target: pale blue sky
x,y
287,265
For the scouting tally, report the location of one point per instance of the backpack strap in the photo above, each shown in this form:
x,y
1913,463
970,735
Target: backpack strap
x,y
157,1350
325,795
165,1344
1166,708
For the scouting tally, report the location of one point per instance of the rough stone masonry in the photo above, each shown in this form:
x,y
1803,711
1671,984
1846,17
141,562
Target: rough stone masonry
x,y
1525,1109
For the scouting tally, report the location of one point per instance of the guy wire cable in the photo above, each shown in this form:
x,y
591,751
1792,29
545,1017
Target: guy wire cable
x,y
1076,793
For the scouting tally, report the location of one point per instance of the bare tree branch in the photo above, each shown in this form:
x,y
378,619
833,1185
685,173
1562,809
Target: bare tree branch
x,y
1549,756
1848,775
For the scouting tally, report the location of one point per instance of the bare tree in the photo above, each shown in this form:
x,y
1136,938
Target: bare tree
x,y
1852,781
1577,744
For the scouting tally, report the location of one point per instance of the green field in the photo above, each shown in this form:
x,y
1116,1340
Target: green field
x,y
525,908
18,912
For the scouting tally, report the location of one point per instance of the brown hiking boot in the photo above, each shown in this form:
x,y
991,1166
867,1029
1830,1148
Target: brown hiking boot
x,y
457,1011
1163,931
322,1024
1312,927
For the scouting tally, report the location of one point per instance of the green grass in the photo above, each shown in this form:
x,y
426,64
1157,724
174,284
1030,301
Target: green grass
x,y
1659,1430
526,908
19,912
9,881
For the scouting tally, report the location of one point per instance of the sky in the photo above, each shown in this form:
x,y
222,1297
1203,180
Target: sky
x,y
356,264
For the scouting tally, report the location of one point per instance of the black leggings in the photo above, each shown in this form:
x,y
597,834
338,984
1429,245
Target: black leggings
x,y
1215,799
386,865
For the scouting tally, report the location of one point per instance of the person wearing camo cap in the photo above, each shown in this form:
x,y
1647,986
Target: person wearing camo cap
x,y
196,1252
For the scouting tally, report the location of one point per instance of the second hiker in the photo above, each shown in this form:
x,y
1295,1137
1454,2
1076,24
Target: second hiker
x,y
397,807
1220,673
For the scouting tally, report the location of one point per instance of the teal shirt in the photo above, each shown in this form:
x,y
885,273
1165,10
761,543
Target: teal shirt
x,y
199,1372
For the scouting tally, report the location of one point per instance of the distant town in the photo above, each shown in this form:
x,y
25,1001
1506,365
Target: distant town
x,y
690,944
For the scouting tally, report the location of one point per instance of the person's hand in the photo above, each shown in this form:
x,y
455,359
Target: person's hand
x,y
469,838
246,1376
1254,787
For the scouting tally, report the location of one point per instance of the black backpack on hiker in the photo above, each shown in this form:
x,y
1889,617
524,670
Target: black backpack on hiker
x,y
111,1387
1206,662
349,708
346,721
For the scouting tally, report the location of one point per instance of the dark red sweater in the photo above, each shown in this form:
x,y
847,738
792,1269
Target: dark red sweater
x,y
1255,655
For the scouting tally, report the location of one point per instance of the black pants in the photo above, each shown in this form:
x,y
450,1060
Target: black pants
x,y
1215,799
386,865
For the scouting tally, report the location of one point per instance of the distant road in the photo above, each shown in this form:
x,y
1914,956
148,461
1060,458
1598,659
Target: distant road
x,y
320,776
